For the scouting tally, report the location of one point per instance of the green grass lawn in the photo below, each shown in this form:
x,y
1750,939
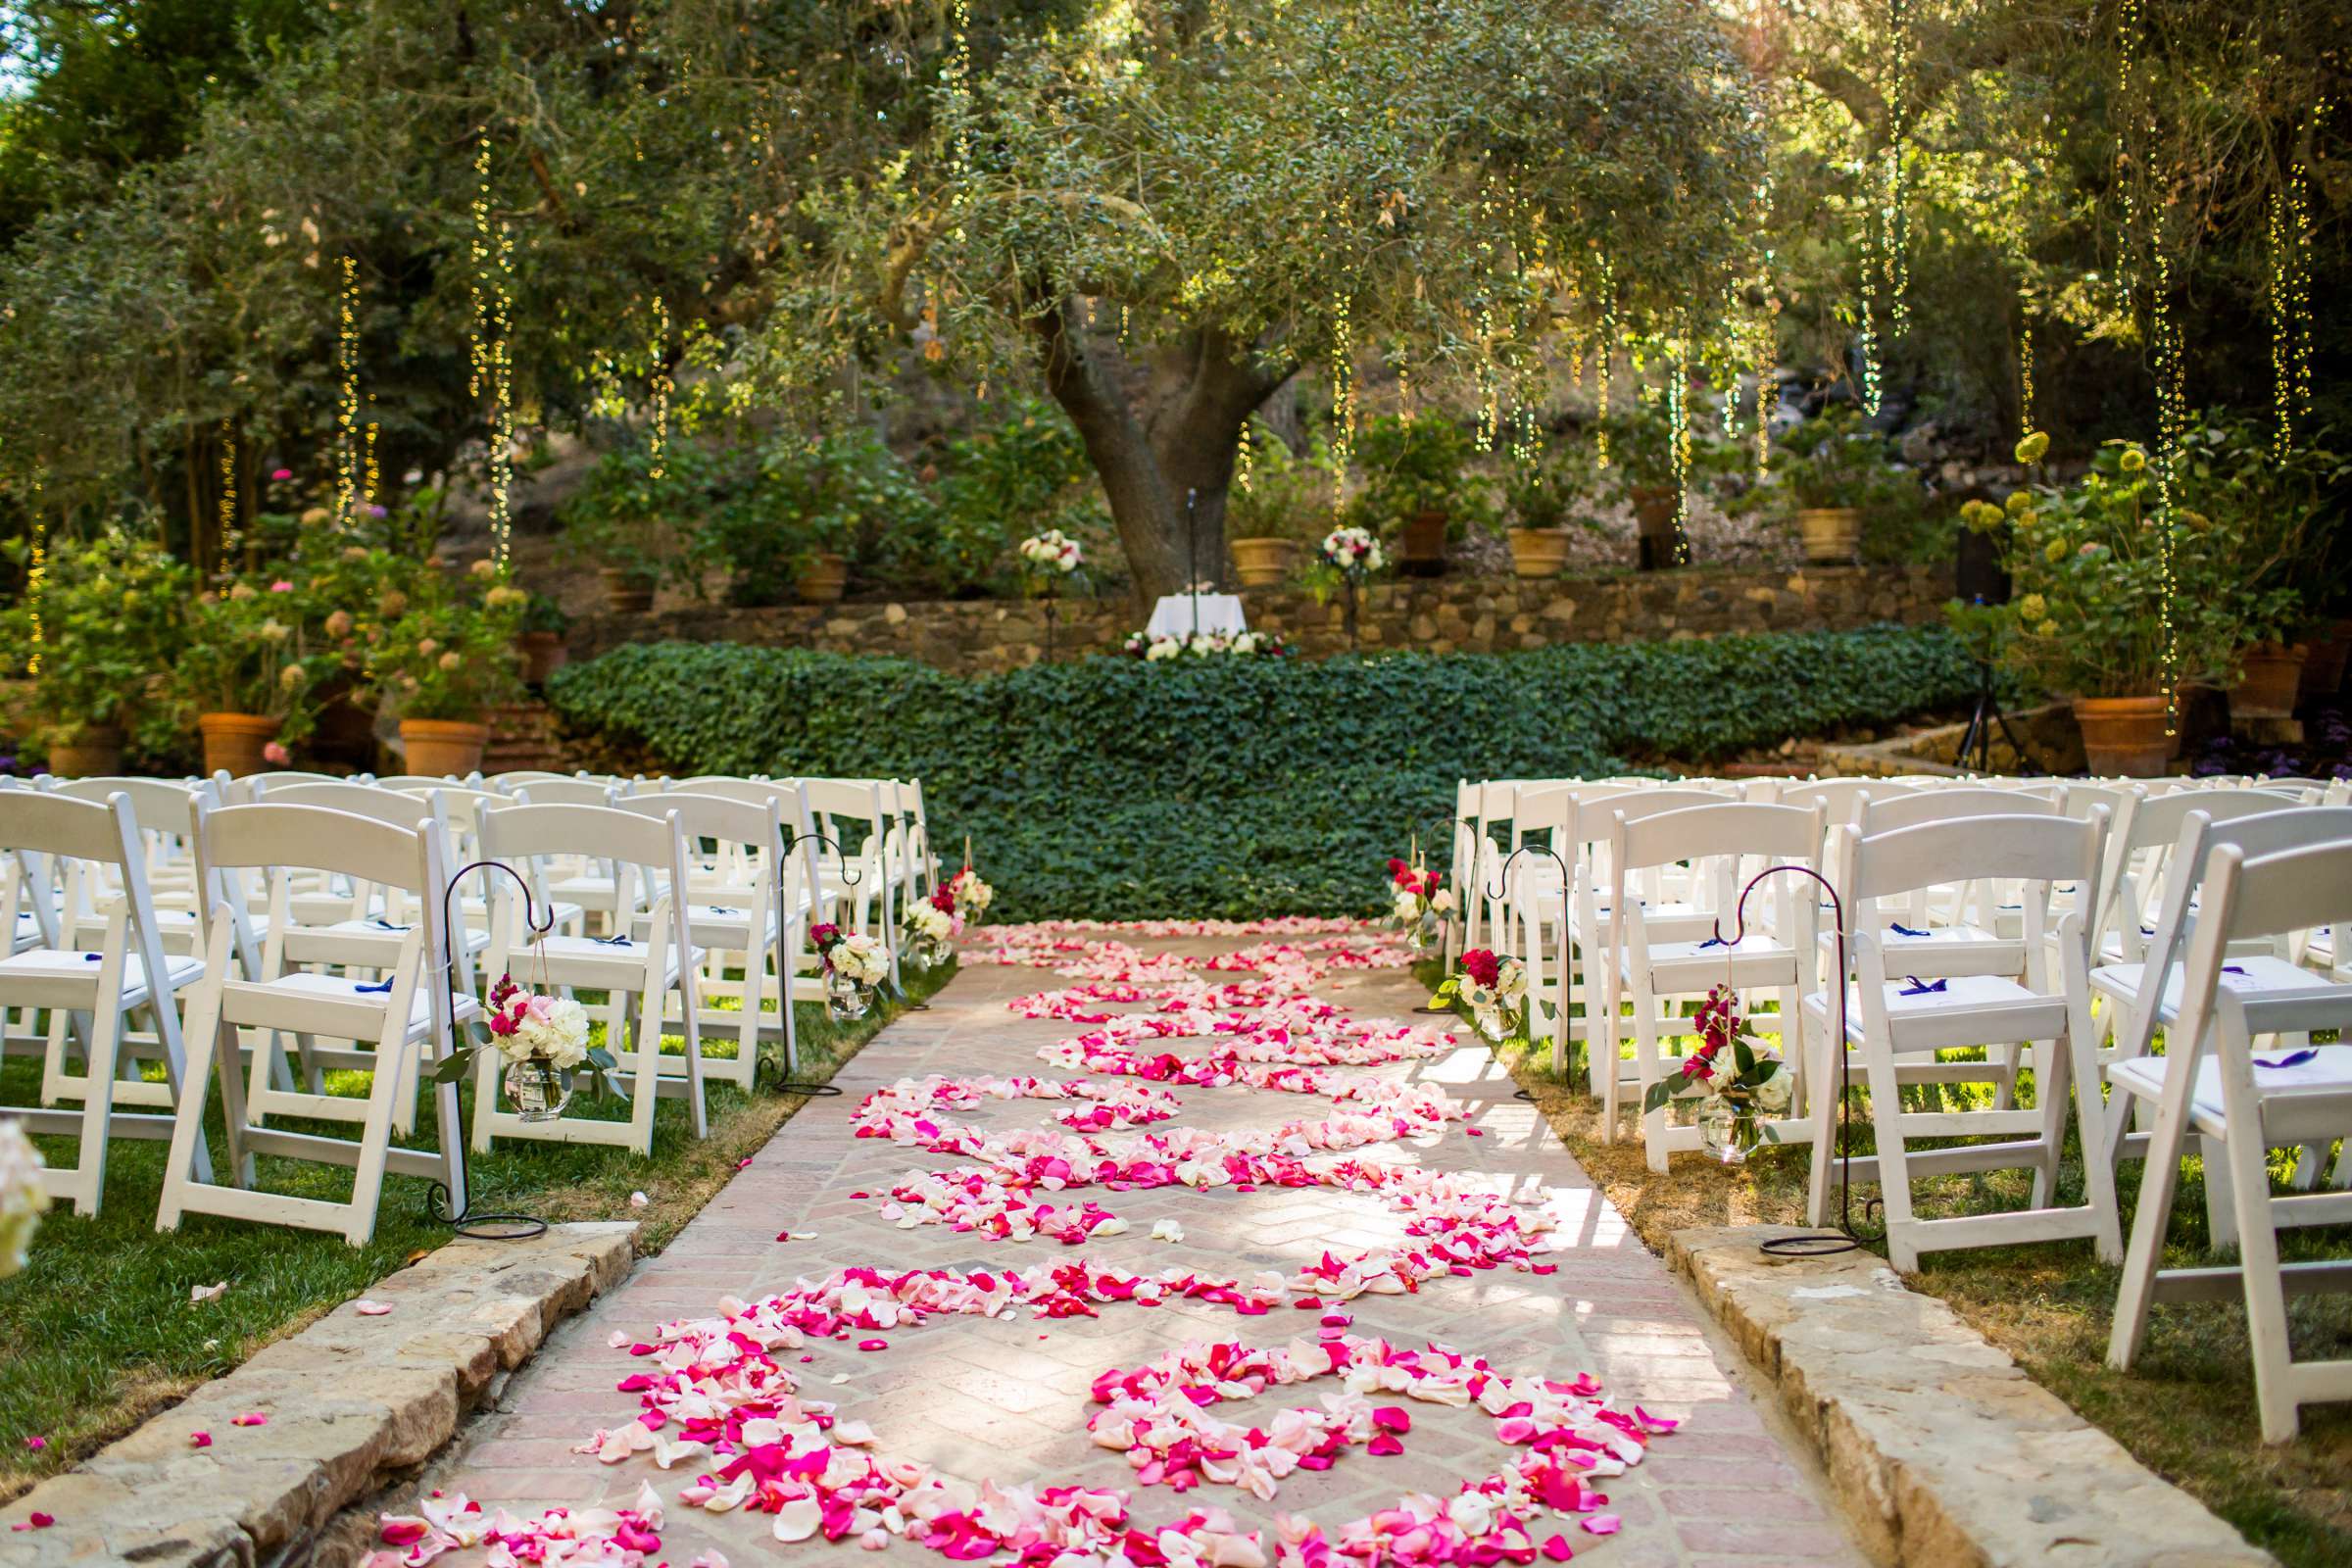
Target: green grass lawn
x,y
98,1332
2187,1410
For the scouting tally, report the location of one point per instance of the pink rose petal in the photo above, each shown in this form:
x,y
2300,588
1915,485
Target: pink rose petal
x,y
873,1344
251,1418
1601,1524
37,1520
199,1439
367,1308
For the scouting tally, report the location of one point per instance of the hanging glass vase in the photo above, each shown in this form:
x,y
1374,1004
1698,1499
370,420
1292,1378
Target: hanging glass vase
x,y
537,1089
931,952
1422,934
844,998
1729,1132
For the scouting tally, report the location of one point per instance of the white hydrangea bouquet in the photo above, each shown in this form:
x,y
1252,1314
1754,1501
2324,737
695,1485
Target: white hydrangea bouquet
x,y
930,927
856,967
1048,559
971,895
543,1039
1353,553
23,1197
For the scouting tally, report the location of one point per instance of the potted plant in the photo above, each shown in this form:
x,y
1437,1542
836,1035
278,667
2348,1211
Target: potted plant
x,y
2088,601
1542,498
2274,511
540,644
1833,472
443,662
250,669
1641,476
625,512
1416,489
1286,501
108,617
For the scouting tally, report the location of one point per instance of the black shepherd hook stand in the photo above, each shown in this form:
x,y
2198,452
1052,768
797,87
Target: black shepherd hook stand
x,y
465,1221
1848,1239
1495,890
1444,953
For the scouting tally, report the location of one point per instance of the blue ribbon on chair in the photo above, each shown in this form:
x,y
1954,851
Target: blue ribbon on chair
x,y
1902,930
380,922
2233,968
380,986
1713,942
720,910
1914,986
2293,1058
93,957
614,942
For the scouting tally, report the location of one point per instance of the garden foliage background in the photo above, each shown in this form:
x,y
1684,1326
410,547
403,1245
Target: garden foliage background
x,y
1109,789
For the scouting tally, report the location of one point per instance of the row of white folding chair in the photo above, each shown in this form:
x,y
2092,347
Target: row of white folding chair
x,y
2257,881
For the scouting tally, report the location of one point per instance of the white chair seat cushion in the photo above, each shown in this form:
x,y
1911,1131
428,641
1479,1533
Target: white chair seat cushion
x,y
73,964
614,954
393,934
342,988
2329,1071
1960,992
2121,981
1748,949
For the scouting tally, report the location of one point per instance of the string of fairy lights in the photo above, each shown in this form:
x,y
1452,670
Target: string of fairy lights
x,y
1343,385
37,575
491,359
1678,440
660,385
227,513
1603,352
346,396
2290,298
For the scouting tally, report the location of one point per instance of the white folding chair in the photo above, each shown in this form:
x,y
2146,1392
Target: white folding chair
x,y
399,1026
1595,912
857,883
130,972
2211,1081
733,911
1719,844
2257,963
1906,1007
649,956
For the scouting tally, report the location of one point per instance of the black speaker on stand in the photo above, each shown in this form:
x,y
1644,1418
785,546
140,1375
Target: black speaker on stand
x,y
1978,578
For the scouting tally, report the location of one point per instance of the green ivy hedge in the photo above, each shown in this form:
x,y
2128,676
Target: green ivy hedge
x,y
1116,789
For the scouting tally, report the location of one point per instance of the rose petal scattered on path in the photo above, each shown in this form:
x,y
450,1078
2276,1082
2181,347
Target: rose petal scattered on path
x,y
372,1308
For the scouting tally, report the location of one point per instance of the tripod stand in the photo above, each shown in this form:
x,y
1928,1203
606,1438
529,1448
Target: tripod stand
x,y
1978,737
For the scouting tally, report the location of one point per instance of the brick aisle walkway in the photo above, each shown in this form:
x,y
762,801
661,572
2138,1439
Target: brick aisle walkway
x,y
1007,1400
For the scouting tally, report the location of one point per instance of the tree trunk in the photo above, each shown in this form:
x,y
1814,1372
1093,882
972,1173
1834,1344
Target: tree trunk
x,y
1151,463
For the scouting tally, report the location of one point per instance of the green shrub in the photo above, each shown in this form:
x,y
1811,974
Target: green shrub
x,y
1112,789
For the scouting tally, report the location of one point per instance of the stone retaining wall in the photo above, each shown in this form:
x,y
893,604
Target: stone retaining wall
x,y
1449,615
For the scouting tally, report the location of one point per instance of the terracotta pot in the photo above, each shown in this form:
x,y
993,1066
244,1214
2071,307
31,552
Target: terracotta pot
x,y
823,578
2324,670
440,747
2267,689
1653,518
543,654
2121,735
1264,562
233,742
97,753
1423,547
1538,552
1832,535
626,592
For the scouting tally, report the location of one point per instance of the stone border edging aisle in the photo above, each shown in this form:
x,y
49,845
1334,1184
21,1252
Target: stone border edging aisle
x,y
1941,1452
351,1402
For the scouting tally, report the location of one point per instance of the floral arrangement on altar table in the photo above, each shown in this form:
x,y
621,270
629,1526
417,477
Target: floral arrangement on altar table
x,y
972,896
1421,904
1050,558
1494,992
1353,553
1733,1092
1159,648
856,967
22,1198
544,1040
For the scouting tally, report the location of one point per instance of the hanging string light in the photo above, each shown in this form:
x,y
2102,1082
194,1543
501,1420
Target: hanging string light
x,y
1603,352
1242,456
1343,387
227,513
1896,213
2290,301
491,360
36,575
1873,386
657,353
2025,371
2172,423
2126,87
347,398
1678,424
370,476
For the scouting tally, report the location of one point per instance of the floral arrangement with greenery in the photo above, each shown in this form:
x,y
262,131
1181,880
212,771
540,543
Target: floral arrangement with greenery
x,y
444,647
255,644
